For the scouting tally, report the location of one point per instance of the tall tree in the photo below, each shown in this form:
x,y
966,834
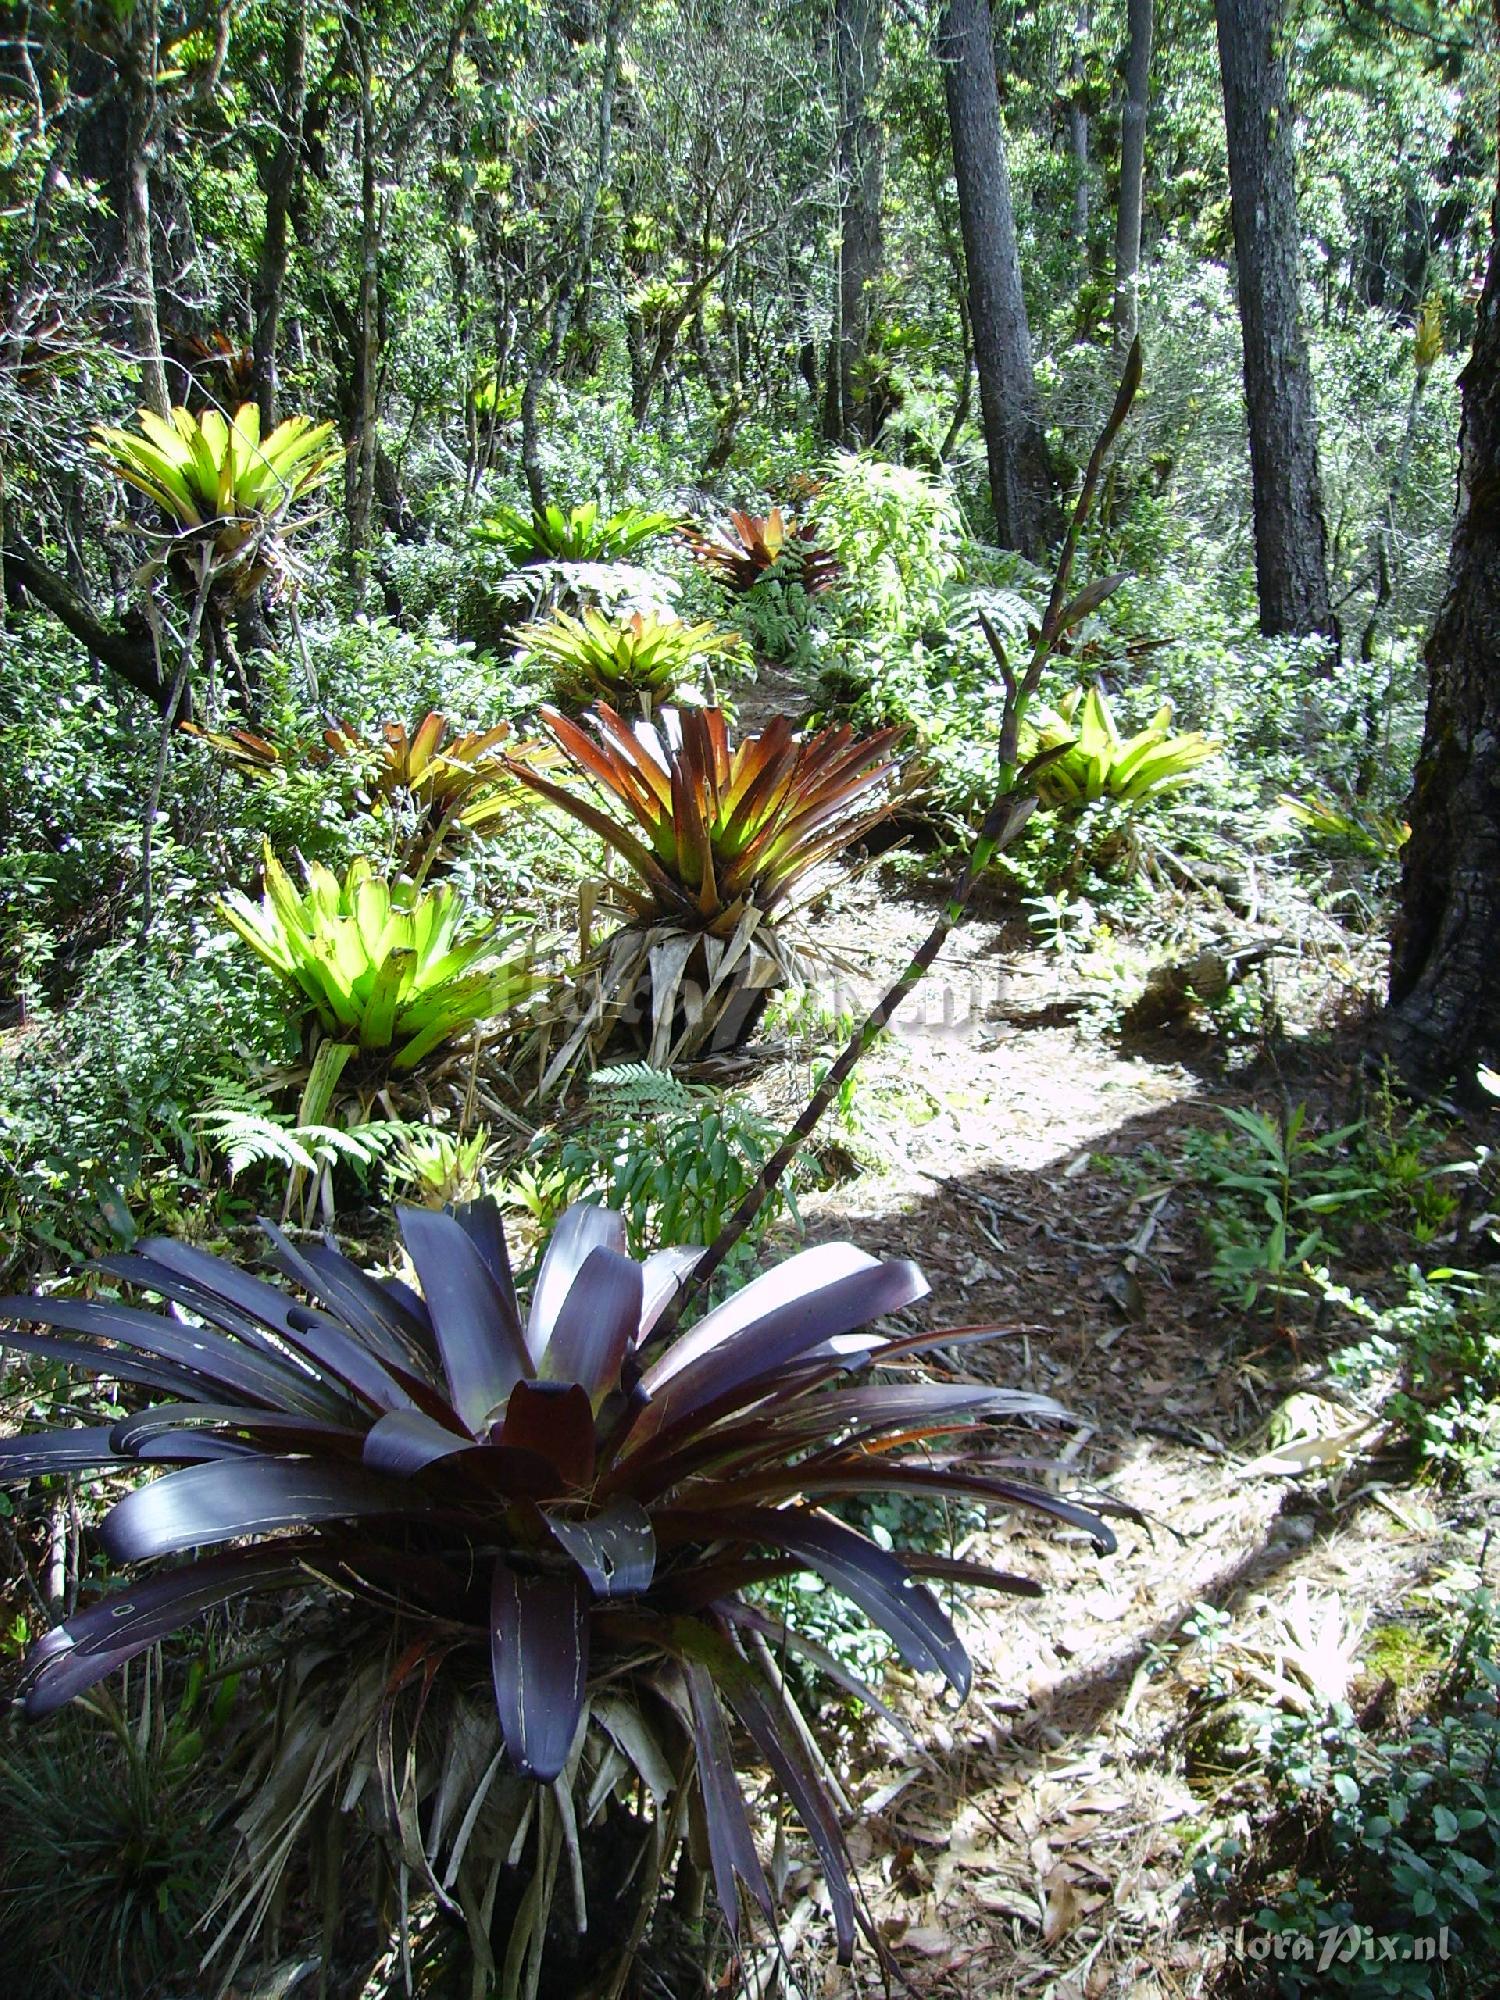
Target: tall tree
x,y
1139,24
1443,1013
279,168
1078,127
1291,536
858,27
1020,476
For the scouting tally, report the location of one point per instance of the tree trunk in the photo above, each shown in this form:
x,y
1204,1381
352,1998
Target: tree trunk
x,y
1020,476
1443,1014
1139,26
367,323
1291,536
858,32
139,67
280,183
1078,131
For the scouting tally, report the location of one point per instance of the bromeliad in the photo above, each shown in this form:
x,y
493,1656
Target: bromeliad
x,y
748,547
217,480
716,836
383,966
641,655
550,1505
1087,759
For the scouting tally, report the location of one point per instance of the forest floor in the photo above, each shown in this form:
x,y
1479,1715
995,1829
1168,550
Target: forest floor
x,y
1025,1154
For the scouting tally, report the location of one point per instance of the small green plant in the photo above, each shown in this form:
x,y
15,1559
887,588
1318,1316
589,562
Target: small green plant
x,y
240,1124
581,534
898,534
1400,1150
442,1167
1396,1891
380,966
1276,1183
1356,829
1092,761
112,1838
642,657
674,1158
1434,1360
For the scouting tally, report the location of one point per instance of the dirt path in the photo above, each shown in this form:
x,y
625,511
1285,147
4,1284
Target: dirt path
x,y
1042,1849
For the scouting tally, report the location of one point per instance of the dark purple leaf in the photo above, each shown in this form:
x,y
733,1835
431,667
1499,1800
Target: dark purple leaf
x,y
152,1275
763,1714
216,1503
794,1278
191,1448
35,1452
336,1353
357,1302
903,1477
616,1550
663,1274
482,1358
584,1228
411,1303
730,1846
480,1222
270,1429
978,1576
116,1363
390,1305
539,1653
596,1325
780,1634
758,1352
207,1354
554,1420
262,1303
406,1441
869,1576
72,1659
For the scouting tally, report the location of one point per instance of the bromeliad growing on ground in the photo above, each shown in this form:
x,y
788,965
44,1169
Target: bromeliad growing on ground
x,y
716,837
641,655
540,1527
1090,761
747,548
384,967
582,534
434,782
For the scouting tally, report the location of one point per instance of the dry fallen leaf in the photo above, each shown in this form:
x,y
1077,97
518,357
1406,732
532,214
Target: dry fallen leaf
x,y
929,1941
